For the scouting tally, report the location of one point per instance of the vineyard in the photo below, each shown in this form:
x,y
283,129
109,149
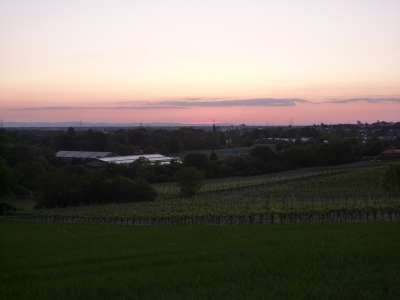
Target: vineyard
x,y
170,190
309,190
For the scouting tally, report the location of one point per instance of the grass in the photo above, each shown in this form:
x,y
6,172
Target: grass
x,y
356,261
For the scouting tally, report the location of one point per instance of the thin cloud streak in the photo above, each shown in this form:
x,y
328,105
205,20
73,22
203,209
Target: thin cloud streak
x,y
209,103
367,100
49,108
233,103
176,104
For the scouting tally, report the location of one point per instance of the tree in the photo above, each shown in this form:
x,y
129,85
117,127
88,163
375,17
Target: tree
x,y
63,187
197,160
5,179
72,186
373,147
299,156
6,208
264,153
122,189
266,160
189,180
391,179
213,156
29,173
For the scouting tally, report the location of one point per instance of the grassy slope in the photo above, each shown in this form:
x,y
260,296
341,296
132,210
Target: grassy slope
x,y
228,183
359,261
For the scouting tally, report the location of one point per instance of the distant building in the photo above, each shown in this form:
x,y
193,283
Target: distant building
x,y
230,152
128,159
280,140
82,155
390,154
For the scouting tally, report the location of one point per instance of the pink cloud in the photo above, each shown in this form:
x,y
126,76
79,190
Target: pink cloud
x,y
301,113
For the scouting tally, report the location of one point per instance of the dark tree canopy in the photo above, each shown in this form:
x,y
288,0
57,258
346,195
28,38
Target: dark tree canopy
x,y
189,180
391,179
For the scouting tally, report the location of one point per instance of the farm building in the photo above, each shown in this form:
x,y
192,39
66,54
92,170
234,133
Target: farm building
x,y
82,155
152,158
390,154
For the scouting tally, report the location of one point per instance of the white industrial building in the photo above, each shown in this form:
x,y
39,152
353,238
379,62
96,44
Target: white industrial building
x,y
82,155
128,159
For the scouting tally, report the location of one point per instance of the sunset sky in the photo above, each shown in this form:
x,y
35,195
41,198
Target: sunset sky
x,y
252,61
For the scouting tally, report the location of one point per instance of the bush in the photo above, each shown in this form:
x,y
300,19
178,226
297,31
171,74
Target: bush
x,y
5,179
196,160
28,173
190,181
74,186
62,187
391,179
213,156
263,159
122,189
6,208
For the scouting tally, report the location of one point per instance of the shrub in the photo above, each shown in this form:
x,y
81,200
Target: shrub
x,y
5,179
391,179
62,187
6,208
213,156
189,180
122,189
196,160
78,186
263,159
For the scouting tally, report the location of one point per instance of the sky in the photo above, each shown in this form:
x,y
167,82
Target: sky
x,y
225,61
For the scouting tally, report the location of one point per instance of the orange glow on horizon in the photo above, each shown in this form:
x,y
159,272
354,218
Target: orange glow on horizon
x,y
90,53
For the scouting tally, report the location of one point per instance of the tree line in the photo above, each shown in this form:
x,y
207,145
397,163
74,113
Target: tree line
x,y
28,168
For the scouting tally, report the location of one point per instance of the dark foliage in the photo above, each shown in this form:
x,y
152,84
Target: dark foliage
x,y
196,160
75,185
6,181
28,167
6,208
391,179
122,189
189,180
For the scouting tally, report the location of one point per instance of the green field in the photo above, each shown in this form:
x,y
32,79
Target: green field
x,y
313,189
357,261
